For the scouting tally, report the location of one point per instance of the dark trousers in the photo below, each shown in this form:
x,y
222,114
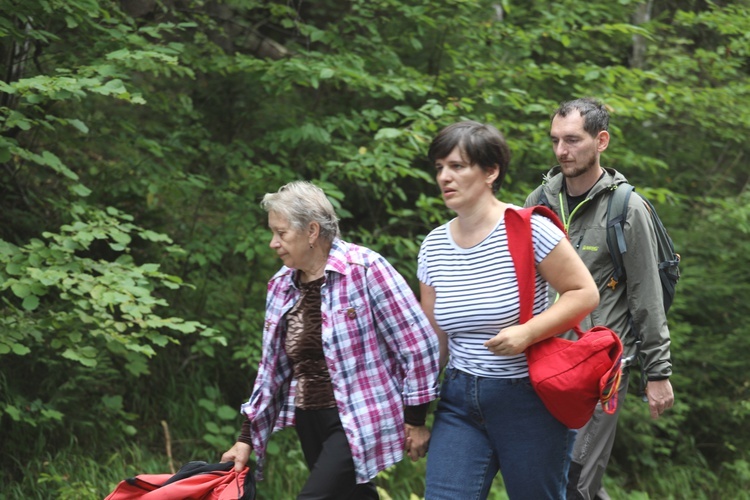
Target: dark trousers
x,y
329,458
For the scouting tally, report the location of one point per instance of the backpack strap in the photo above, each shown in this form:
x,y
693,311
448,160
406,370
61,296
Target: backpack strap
x,y
518,230
617,212
617,246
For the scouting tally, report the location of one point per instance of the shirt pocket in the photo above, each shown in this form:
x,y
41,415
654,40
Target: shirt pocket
x,y
352,332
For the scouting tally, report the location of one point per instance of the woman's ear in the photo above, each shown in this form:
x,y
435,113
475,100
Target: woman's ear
x,y
313,232
493,174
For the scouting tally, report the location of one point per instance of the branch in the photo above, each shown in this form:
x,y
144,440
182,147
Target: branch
x,y
168,444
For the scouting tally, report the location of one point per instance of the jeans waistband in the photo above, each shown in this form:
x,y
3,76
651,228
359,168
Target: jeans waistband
x,y
453,373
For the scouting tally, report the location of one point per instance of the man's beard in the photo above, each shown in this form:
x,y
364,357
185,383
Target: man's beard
x,y
577,171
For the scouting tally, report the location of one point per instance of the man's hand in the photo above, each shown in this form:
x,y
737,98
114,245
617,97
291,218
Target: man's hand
x,y
660,396
239,454
417,441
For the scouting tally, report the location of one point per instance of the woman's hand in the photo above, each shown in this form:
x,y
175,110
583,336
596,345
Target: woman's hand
x,y
417,441
510,341
239,454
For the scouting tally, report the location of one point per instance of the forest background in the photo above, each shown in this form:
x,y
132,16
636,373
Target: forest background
x,y
138,137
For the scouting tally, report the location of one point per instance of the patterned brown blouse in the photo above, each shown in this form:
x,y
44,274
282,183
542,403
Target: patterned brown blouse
x,y
304,346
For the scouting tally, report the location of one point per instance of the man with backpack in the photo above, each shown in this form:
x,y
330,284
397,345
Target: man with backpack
x,y
632,300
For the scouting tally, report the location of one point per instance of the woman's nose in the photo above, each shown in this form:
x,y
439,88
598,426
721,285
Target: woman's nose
x,y
442,174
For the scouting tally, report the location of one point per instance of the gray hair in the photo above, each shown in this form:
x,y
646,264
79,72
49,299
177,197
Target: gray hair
x,y
302,202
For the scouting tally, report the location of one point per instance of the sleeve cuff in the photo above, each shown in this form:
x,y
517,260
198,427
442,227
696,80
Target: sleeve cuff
x,y
244,436
416,415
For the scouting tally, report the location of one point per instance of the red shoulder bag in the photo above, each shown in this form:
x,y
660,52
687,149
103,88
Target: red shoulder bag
x,y
570,377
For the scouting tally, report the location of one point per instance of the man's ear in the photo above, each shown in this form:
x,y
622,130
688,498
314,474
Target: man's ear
x,y
602,141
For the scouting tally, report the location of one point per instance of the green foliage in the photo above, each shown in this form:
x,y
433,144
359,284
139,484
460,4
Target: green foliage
x,y
137,139
61,290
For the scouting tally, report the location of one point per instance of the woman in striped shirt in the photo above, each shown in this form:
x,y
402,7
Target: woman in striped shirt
x,y
489,418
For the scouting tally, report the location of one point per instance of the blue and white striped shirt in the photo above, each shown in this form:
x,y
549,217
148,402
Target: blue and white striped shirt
x,y
477,293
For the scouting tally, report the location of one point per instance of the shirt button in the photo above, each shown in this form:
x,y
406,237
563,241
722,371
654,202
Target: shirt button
x,y
351,313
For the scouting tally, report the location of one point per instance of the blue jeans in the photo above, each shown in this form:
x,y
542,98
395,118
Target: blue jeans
x,y
485,425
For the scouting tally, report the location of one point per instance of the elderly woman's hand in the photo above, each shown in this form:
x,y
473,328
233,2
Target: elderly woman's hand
x,y
417,441
239,454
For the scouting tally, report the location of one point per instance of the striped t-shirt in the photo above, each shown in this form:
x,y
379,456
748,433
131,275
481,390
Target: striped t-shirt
x,y
477,293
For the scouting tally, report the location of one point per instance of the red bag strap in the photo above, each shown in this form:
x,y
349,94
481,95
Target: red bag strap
x,y
518,229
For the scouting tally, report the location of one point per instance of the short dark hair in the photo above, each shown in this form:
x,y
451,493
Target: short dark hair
x,y
480,144
595,115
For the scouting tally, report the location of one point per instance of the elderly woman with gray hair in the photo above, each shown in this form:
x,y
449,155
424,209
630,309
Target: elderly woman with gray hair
x,y
349,358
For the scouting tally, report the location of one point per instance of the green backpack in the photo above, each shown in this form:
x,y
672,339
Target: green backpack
x,y
669,261
617,211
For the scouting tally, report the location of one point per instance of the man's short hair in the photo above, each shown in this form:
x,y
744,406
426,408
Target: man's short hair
x,y
595,115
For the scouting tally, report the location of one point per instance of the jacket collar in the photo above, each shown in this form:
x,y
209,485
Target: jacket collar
x,y
553,182
339,258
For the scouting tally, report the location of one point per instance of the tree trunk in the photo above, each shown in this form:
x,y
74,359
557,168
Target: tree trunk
x,y
641,15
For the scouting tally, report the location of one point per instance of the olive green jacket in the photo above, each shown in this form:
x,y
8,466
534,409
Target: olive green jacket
x,y
640,297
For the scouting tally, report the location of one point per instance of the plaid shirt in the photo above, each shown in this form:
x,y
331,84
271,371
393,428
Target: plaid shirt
x,y
380,350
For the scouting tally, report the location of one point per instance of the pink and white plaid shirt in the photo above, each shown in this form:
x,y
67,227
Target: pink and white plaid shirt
x,y
380,350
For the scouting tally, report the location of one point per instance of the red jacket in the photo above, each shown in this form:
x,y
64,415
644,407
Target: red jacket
x,y
195,480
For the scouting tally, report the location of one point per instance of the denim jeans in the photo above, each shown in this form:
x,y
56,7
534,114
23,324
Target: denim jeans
x,y
485,425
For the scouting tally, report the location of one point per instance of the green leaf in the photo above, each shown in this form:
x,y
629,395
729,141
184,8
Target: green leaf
x,y
316,35
30,303
16,119
14,268
52,414
207,404
80,190
82,355
13,412
137,367
112,402
388,133
20,350
78,124
160,340
21,289
225,412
